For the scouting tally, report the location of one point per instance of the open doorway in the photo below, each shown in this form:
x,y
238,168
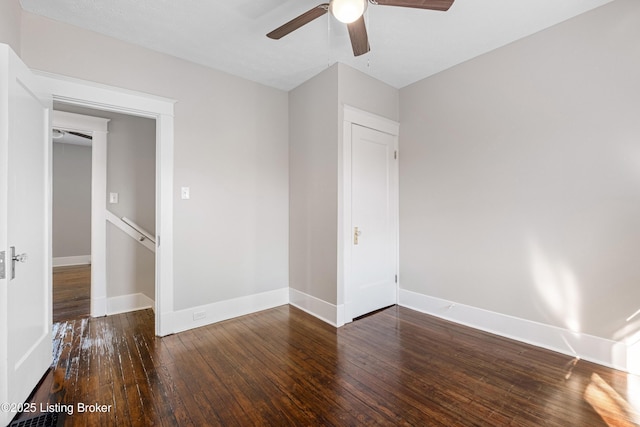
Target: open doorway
x,y
123,206
107,98
71,226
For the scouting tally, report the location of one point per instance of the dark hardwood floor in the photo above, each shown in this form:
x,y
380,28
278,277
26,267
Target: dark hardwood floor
x,y
284,367
71,292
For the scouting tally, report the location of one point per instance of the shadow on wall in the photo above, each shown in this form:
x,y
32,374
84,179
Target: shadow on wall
x,y
557,286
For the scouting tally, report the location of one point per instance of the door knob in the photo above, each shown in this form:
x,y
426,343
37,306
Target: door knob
x,y
16,258
356,234
20,258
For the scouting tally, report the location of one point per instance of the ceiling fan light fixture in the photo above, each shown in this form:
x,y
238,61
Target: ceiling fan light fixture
x,y
348,11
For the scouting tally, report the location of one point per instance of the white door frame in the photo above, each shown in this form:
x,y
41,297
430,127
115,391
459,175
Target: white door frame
x,y
98,96
363,118
98,128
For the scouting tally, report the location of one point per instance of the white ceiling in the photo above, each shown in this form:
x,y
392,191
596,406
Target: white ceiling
x,y
229,35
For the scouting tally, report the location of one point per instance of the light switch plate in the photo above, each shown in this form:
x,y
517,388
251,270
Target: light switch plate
x,y
184,193
113,197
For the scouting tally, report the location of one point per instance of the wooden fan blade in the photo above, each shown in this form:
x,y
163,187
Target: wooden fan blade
x,y
442,5
359,38
299,21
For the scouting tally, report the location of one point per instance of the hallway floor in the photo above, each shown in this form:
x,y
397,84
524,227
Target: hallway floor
x,y
71,292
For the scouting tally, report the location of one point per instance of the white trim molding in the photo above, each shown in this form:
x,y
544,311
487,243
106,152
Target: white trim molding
x,y
195,317
126,303
104,97
602,351
370,120
99,305
325,311
67,261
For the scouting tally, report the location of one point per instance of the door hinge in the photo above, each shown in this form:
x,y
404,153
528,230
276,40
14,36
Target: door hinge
x,y
395,154
396,278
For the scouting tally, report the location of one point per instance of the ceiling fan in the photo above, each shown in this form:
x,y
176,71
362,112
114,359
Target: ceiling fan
x,y
351,13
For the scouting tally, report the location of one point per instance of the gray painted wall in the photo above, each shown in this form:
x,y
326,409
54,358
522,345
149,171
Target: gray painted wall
x,y
10,18
231,149
520,177
130,266
131,164
131,168
313,186
131,172
366,93
71,200
315,141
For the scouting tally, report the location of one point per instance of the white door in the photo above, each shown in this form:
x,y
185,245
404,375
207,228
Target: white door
x,y
25,300
373,220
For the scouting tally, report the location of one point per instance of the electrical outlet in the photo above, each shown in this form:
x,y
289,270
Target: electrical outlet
x,y
198,315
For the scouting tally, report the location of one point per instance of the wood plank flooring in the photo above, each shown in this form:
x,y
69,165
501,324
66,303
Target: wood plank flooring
x,y
71,292
283,367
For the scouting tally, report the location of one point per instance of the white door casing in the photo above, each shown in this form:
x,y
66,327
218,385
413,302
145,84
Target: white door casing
x,y
108,98
369,202
25,223
98,128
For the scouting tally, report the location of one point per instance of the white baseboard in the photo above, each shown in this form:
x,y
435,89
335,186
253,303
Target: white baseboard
x,y
588,347
98,307
195,317
327,312
65,261
126,303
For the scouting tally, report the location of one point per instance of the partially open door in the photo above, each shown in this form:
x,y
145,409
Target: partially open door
x,y
25,270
